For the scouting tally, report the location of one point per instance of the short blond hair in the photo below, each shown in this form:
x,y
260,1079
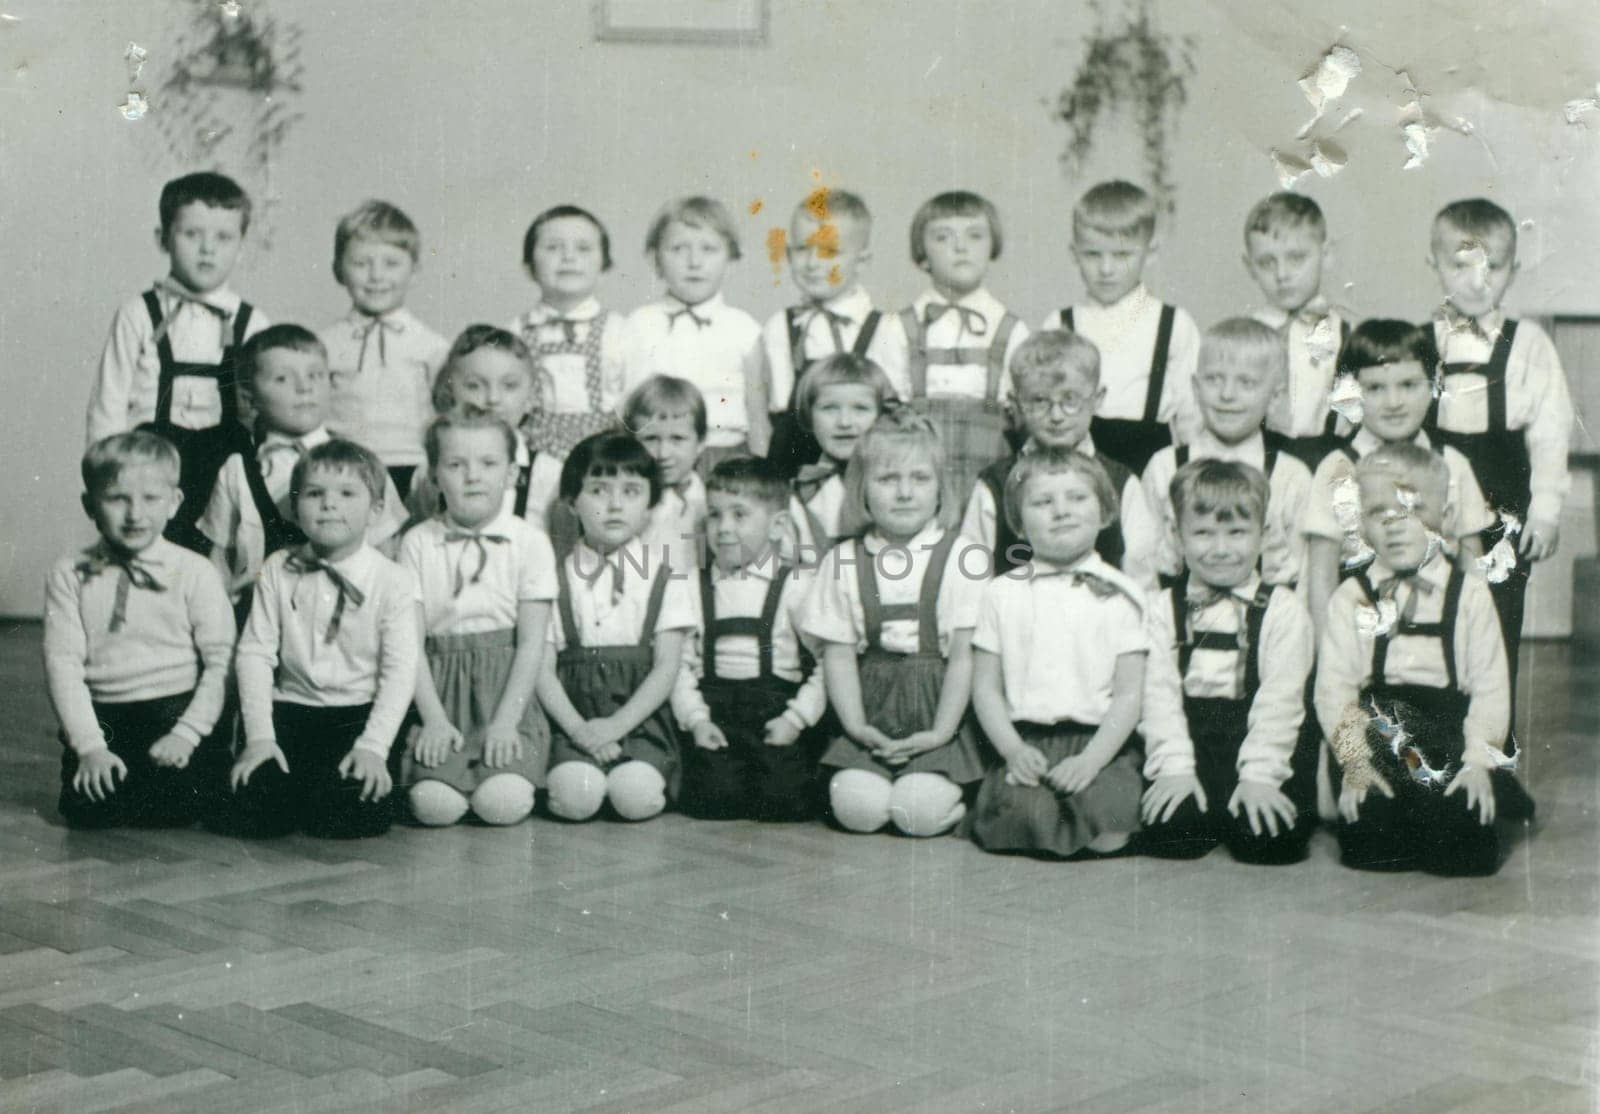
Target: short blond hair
x,y
897,431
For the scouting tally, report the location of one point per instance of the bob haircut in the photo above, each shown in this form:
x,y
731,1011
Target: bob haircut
x,y
898,433
840,368
696,212
530,240
662,395
1224,488
1054,462
433,438
611,453
339,455
954,203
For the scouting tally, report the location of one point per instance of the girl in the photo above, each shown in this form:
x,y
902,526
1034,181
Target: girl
x,y
487,580
894,611
574,340
837,400
1058,671
619,641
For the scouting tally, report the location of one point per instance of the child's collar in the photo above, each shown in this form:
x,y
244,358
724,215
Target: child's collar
x,y
586,310
1364,441
1198,590
1208,446
223,300
1131,302
1435,568
309,440
675,304
853,303
924,539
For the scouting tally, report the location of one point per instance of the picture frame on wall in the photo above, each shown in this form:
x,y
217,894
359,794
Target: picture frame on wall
x,y
707,22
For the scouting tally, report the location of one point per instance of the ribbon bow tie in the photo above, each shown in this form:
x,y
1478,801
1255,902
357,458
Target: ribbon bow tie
x,y
569,326
592,578
380,326
1456,322
971,320
133,573
183,296
307,563
1389,589
1099,586
686,311
1201,596
473,537
836,322
812,476
269,450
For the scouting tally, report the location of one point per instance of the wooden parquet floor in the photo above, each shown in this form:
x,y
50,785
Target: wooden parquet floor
x,y
703,968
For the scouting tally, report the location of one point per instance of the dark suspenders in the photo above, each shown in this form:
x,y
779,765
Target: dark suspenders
x,y
992,357
1158,358
1444,630
569,622
760,627
1330,427
519,504
1255,617
797,355
925,611
1494,376
222,372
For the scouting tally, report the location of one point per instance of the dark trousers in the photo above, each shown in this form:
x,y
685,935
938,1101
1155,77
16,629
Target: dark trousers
x,y
748,778
150,796
312,797
1420,829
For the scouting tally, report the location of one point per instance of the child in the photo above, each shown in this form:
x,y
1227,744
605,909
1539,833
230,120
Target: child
x,y
1059,661
1504,403
1056,377
573,338
487,579
747,692
169,362
956,341
1412,688
838,400
668,416
1393,363
137,640
1285,249
893,612
283,372
1241,373
829,242
694,334
618,644
1230,655
1148,349
327,662
382,358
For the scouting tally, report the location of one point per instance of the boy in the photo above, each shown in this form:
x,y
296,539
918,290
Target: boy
x,y
169,362
1224,707
668,416
838,400
1240,375
829,242
1285,250
1412,689
1504,403
382,358
1056,375
283,371
1147,349
748,690
327,662
1393,364
137,640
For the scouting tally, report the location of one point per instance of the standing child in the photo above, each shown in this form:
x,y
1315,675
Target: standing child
x,y
619,642
1240,374
327,662
1225,694
487,579
137,640
748,692
694,334
668,416
169,360
893,612
1285,250
950,353
1412,688
838,400
576,340
382,358
1148,349
1504,403
830,237
1056,376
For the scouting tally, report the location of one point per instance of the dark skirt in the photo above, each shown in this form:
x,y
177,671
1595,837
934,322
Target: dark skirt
x,y
599,680
1039,820
902,696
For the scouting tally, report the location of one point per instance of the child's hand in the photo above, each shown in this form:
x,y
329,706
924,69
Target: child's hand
x,y
1073,775
918,742
1351,797
873,740
501,745
98,774
780,732
598,739
1025,766
253,757
1474,782
1540,537
1264,806
370,770
1167,794
172,750
434,742
708,736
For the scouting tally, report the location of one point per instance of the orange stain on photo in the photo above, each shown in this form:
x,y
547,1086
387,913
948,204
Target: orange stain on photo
x,y
756,206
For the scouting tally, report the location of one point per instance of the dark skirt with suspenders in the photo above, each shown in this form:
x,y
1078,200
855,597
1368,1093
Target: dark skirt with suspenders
x,y
793,446
1133,441
202,451
1421,828
557,433
600,679
972,430
901,691
1012,552
748,778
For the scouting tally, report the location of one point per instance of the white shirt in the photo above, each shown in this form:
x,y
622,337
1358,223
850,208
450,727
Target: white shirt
x,y
383,371
677,524
605,619
721,357
511,565
827,504
846,312
546,325
1311,340
972,323
544,487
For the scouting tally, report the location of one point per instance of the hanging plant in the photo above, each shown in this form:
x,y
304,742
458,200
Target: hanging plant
x,y
1129,65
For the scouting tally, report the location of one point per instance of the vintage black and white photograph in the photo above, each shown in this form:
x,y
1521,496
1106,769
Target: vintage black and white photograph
x,y
787,556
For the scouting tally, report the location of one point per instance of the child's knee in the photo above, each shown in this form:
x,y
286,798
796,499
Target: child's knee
x,y
925,804
503,799
577,790
859,799
1108,843
436,804
636,790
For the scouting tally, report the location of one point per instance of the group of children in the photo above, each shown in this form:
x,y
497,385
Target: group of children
x,y
1115,584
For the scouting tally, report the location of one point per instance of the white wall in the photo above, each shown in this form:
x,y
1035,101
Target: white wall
x,y
475,116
